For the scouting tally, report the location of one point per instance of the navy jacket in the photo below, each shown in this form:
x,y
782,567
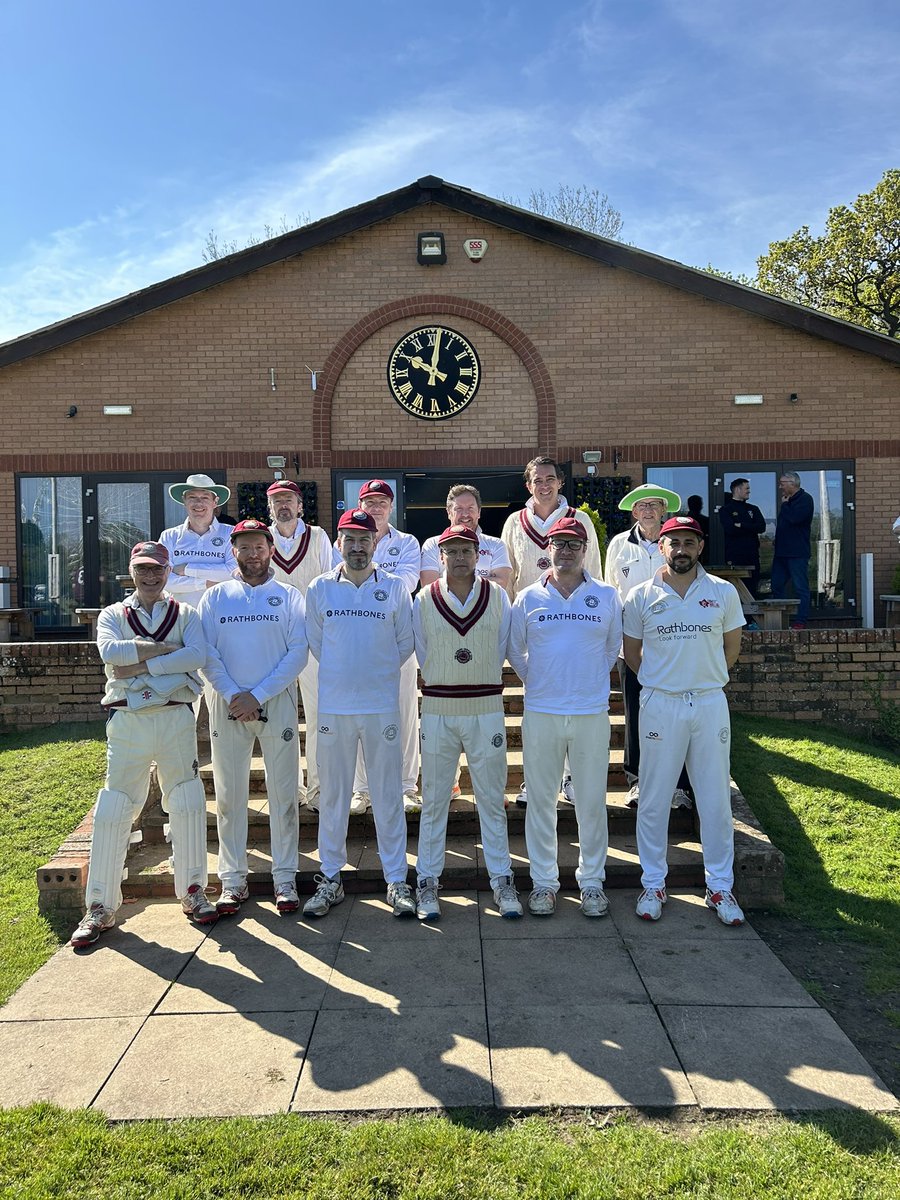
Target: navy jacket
x,y
793,526
742,524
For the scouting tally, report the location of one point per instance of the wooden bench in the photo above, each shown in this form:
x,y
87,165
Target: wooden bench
x,y
774,614
18,622
891,610
88,616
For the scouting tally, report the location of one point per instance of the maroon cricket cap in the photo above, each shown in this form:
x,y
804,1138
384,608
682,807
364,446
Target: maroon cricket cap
x,y
376,487
362,522
154,554
681,525
284,485
458,533
251,525
568,527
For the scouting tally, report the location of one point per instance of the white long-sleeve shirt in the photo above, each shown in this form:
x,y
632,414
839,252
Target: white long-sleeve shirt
x,y
563,648
256,638
396,552
361,637
202,555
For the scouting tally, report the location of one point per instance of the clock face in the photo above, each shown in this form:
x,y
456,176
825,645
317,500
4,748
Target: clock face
x,y
433,373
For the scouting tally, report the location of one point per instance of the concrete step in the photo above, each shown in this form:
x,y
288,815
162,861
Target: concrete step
x,y
149,870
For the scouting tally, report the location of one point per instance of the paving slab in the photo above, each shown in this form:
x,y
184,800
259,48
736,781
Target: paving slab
x,y
404,965
528,973
259,963
428,1058
772,1058
125,973
60,1062
709,972
684,916
566,922
209,1064
602,1055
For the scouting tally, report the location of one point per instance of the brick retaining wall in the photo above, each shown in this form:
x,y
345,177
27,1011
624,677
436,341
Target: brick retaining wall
x,y
809,675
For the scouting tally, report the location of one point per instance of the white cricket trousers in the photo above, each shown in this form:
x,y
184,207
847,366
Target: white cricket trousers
x,y
483,738
692,728
232,749
546,740
409,732
309,690
378,735
134,740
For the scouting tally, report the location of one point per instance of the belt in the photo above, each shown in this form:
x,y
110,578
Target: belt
x,y
168,704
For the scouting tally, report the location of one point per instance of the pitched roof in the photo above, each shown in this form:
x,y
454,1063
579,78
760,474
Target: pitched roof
x,y
432,190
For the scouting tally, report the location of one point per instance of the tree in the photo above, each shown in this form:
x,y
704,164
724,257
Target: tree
x,y
853,270
214,249
588,208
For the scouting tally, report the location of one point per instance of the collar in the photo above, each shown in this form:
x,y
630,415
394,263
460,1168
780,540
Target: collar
x,y
185,528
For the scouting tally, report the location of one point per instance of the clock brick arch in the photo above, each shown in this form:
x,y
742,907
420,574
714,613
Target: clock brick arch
x,y
419,306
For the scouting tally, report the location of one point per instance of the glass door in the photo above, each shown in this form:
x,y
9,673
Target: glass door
x,y
123,519
51,549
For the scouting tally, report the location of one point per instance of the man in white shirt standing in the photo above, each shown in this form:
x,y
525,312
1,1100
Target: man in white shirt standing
x,y
525,535
464,508
359,620
256,634
566,633
152,647
200,549
632,558
400,554
461,625
300,553
682,636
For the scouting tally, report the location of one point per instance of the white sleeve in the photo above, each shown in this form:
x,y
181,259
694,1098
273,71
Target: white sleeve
x,y
419,631
313,621
403,626
192,654
733,617
517,651
113,648
408,565
592,563
431,556
294,659
214,671
614,630
632,617
505,626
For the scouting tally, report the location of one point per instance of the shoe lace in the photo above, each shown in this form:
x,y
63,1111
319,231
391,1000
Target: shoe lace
x,y
590,893
399,891
542,892
326,887
428,893
506,890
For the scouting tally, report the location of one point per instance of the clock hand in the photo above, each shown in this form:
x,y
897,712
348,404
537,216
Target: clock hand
x,y
433,372
435,353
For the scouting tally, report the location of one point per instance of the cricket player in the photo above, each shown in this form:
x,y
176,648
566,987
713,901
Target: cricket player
x,y
400,554
461,626
525,534
566,634
152,647
199,550
359,619
257,647
464,508
633,557
682,636
300,553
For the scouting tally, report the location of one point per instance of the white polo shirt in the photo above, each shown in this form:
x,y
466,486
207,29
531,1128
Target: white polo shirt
x,y
256,637
361,637
683,650
492,553
563,649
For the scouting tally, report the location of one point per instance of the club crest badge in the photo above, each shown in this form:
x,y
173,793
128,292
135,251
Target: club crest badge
x,y
543,562
390,733
287,735
274,601
218,541
497,740
380,595
463,655
591,601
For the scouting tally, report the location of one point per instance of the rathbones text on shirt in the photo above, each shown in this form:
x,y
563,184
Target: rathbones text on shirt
x,y
249,617
355,612
678,627
570,617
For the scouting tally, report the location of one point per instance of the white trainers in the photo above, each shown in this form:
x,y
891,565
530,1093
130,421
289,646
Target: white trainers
x,y
567,790
680,799
286,898
633,795
522,798
196,906
95,921
231,899
594,902
359,803
428,907
400,898
542,902
328,893
650,902
412,802
507,898
727,908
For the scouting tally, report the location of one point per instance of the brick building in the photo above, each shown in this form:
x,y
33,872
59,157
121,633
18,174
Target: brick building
x,y
577,344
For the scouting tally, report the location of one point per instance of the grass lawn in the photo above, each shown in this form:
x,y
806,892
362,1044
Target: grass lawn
x,y
832,806
45,1152
829,803
48,781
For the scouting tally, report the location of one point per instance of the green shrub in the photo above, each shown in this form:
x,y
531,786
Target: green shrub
x,y
600,526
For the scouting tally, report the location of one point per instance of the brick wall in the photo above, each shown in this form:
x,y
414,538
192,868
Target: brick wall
x,y
805,675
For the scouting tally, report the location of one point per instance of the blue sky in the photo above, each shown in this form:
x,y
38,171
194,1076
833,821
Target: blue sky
x,y
130,128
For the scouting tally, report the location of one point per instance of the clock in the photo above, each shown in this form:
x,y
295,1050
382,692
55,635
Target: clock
x,y
433,373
